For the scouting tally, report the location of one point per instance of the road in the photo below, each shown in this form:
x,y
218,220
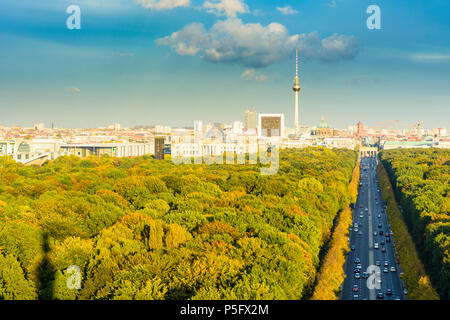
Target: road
x,y
370,216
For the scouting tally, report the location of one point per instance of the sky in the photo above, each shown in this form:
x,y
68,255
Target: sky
x,y
171,62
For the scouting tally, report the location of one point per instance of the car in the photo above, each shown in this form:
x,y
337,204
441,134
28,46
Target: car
x,y
361,206
355,288
388,234
355,225
379,216
381,232
356,229
352,247
375,245
393,269
355,297
366,209
377,263
388,239
359,266
357,275
382,243
397,298
361,216
405,292
365,275
357,260
389,292
383,250
386,263
380,226
385,270
376,198
380,295
375,233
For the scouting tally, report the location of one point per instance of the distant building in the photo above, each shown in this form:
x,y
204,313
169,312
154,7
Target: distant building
x,y
360,129
219,125
111,149
250,119
159,148
237,127
39,126
388,145
323,130
198,126
271,125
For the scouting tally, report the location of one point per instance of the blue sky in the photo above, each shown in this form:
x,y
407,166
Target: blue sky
x,y
175,61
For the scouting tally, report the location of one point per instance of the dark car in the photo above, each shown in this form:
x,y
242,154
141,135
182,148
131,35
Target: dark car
x,y
381,232
389,292
355,288
352,247
380,226
383,249
382,243
357,260
380,295
365,275
388,239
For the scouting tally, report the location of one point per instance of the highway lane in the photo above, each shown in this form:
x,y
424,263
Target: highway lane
x,y
369,221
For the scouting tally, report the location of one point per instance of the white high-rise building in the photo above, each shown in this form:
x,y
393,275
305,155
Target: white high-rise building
x,y
198,126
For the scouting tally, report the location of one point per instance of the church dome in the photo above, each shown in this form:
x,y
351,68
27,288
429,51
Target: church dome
x,y
322,124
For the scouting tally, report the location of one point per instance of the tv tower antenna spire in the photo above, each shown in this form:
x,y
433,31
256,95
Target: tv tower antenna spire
x,y
296,87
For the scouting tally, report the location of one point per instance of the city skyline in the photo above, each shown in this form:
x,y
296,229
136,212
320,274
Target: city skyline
x,y
135,63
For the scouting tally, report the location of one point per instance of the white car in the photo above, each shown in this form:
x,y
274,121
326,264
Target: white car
x,y
375,245
393,269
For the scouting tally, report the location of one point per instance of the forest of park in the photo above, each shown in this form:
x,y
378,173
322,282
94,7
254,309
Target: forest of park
x,y
139,228
421,179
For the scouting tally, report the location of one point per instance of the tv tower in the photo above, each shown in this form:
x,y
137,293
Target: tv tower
x,y
296,87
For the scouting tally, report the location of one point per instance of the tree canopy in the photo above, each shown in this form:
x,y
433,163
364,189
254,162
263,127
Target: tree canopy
x,y
139,228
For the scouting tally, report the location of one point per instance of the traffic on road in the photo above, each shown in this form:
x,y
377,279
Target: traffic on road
x,y
372,270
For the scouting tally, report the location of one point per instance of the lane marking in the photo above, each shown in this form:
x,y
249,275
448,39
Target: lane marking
x,y
371,257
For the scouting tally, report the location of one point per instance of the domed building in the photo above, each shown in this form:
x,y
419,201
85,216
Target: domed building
x,y
323,129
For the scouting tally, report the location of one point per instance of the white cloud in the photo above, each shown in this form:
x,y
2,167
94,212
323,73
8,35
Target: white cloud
x,y
73,89
163,4
254,45
332,4
252,75
228,8
287,10
431,57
